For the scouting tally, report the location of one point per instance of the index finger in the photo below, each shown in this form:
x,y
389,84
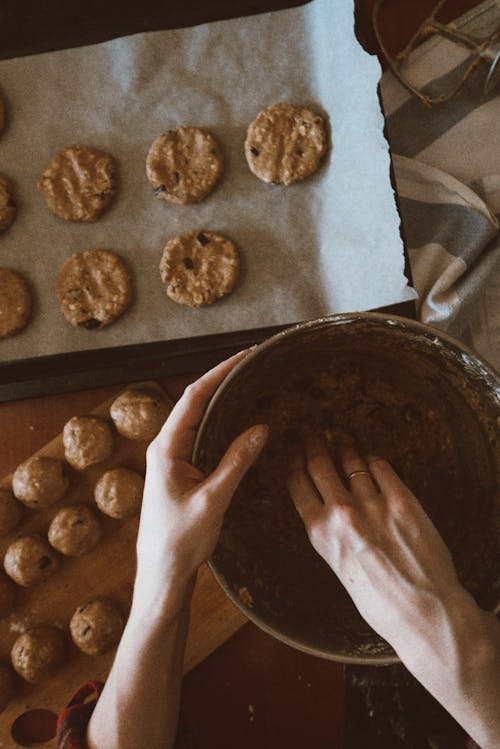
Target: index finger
x,y
177,435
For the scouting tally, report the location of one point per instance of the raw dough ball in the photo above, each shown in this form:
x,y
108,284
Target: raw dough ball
x,y
10,511
6,686
40,481
74,530
6,596
30,560
118,493
87,440
37,653
138,414
96,627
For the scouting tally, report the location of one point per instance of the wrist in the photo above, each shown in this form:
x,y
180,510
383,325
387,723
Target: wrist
x,y
162,600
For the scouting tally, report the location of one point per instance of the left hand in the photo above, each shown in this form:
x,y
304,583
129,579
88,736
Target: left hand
x,y
183,510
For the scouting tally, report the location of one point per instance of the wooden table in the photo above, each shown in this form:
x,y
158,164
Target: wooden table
x,y
253,691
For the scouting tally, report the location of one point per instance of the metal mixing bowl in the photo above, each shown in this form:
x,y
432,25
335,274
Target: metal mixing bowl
x,y
433,388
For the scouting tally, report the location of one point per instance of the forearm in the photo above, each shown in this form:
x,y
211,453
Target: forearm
x,y
140,702
457,658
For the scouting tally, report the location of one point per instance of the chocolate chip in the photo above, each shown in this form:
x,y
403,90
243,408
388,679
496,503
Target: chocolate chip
x,y
44,562
91,324
101,195
86,631
78,522
177,177
254,150
188,263
202,238
299,153
159,189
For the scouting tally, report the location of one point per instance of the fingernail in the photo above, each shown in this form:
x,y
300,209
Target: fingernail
x,y
258,435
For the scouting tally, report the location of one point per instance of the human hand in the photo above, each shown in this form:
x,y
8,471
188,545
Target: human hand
x,y
182,509
378,540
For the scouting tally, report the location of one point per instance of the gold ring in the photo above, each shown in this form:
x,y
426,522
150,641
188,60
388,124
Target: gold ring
x,y
358,473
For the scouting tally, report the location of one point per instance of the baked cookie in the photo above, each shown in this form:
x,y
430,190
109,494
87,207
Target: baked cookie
x,y
40,481
10,511
29,560
8,209
96,627
199,267
118,493
7,596
93,288
285,144
139,414
6,686
87,440
184,165
37,653
79,183
15,302
74,530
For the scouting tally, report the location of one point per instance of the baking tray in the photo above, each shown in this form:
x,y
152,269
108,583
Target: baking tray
x,y
31,28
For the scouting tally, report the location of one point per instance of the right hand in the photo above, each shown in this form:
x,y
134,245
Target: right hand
x,y
378,540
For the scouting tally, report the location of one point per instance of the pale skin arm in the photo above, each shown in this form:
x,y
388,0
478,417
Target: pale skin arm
x,y
181,518
385,550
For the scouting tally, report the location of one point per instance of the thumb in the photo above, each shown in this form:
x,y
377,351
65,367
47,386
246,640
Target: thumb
x,y
238,458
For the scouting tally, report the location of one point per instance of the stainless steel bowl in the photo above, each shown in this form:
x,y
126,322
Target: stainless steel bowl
x,y
264,561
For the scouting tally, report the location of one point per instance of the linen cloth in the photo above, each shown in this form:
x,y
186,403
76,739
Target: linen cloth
x,y
446,162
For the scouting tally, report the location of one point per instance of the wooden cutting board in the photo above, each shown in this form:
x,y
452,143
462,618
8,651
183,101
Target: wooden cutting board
x,y
108,570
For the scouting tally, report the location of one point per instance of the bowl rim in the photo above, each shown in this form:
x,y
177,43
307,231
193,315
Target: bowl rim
x,y
470,357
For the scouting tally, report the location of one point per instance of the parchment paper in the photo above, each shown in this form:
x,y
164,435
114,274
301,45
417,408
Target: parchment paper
x,y
328,244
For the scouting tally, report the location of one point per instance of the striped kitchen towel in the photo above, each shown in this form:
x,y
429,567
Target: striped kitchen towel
x,y
447,171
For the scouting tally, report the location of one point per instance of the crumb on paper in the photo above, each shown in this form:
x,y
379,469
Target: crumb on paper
x,y
245,596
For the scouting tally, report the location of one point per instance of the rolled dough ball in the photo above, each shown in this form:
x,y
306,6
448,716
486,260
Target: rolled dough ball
x,y
96,627
139,414
10,511
40,481
30,560
6,596
118,493
6,686
74,530
87,440
37,653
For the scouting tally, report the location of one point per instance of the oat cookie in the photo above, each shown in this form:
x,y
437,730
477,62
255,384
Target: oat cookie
x,y
15,302
184,165
37,653
285,144
74,530
93,288
40,481
87,440
96,627
8,209
29,559
139,414
79,183
199,267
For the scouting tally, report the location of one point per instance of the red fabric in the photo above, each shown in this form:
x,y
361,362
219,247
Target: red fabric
x,y
72,723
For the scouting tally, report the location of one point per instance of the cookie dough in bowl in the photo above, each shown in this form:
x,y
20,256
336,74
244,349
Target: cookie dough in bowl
x,y
74,531
37,653
96,626
40,481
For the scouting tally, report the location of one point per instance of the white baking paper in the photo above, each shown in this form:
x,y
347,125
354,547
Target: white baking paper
x,y
328,244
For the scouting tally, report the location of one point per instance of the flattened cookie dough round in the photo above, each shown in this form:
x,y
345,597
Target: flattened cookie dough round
x,y
87,440
199,267
139,414
10,511
15,302
96,627
93,288
6,686
184,165
74,530
8,209
40,481
79,183
29,560
37,653
285,144
7,596
118,493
